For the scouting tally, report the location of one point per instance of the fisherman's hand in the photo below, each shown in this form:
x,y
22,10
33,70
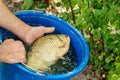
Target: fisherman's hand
x,y
12,51
35,32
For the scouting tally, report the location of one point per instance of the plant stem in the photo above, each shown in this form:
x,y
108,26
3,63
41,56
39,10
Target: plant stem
x,y
102,43
82,26
92,38
73,15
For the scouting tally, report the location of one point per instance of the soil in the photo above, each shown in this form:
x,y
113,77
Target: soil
x,y
13,5
86,74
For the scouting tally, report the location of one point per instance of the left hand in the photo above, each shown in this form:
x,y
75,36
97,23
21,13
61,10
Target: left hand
x,y
12,51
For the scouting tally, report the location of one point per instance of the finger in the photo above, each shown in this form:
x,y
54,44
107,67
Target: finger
x,y
19,43
22,56
21,46
19,60
8,41
48,29
12,61
23,60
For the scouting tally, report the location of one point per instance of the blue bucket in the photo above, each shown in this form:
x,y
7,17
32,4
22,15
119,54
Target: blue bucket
x,y
20,72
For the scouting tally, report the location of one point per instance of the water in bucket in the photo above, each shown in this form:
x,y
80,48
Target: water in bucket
x,y
65,65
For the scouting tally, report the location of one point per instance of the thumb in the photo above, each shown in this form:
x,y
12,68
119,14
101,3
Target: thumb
x,y
48,29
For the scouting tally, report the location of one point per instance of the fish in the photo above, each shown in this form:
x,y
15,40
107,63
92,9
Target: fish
x,y
47,50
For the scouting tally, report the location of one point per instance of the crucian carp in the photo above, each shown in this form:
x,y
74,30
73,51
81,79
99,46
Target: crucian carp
x,y
47,50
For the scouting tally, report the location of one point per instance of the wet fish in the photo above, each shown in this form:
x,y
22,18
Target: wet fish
x,y
47,50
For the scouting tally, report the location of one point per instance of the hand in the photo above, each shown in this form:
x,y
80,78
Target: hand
x,y
35,32
12,51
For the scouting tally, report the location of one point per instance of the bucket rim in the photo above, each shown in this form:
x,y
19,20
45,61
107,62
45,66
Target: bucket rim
x,y
86,51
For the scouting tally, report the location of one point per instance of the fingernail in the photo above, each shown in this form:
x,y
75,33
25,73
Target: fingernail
x,y
53,28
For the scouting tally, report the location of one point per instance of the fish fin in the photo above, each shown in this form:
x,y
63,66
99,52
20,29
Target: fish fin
x,y
62,58
63,45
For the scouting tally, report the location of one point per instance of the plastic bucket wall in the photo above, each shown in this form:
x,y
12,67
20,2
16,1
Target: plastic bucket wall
x,y
19,72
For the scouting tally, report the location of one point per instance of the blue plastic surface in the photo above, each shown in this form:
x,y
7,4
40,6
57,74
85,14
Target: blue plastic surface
x,y
0,71
19,72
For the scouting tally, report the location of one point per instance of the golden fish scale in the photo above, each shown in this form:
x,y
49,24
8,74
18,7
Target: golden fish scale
x,y
45,51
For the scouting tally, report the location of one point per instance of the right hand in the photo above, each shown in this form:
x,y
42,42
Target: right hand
x,y
12,51
35,32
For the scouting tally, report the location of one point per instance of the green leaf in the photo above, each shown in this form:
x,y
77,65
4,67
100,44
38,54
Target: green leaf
x,y
58,4
117,66
107,66
107,60
41,6
27,4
